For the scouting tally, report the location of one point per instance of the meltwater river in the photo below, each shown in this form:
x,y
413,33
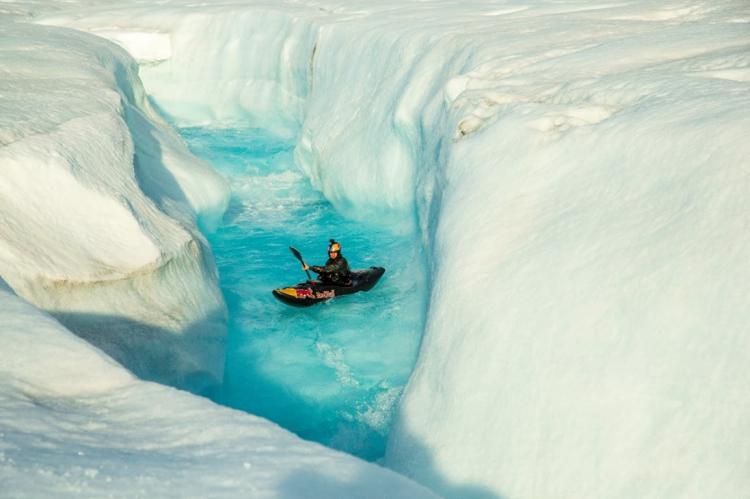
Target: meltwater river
x,y
334,372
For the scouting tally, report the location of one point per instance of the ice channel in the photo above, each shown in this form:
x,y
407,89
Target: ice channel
x,y
332,373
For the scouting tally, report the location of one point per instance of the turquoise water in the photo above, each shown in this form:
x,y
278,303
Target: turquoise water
x,y
334,372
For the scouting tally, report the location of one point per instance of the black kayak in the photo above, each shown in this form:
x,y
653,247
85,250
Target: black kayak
x,y
309,293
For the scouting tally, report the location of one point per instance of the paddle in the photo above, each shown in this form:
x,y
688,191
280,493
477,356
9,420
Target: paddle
x,y
299,257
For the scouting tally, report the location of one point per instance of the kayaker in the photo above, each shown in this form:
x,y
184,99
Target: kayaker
x,y
336,269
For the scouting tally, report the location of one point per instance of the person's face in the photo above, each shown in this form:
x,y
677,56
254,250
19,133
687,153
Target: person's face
x,y
333,254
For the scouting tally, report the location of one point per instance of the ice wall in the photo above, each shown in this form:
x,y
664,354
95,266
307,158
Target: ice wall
x,y
223,64
73,423
99,204
587,333
578,172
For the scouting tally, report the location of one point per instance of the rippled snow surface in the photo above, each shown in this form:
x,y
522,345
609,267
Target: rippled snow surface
x,y
332,373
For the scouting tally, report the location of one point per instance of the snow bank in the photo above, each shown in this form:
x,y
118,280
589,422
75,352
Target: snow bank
x,y
578,172
73,423
99,203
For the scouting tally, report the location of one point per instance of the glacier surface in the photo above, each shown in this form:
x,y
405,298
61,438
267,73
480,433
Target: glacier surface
x,y
578,172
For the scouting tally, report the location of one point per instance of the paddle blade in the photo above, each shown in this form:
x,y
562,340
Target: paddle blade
x,y
299,257
296,253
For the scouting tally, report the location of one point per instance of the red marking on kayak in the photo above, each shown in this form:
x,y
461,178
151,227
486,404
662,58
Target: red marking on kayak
x,y
304,293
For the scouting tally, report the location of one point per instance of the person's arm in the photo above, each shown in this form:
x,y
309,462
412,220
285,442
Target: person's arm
x,y
338,266
315,268
327,269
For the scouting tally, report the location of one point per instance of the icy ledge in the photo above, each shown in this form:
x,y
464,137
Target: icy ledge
x,y
98,207
73,423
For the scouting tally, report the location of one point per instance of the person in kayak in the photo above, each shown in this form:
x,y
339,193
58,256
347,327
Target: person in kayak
x,y
336,270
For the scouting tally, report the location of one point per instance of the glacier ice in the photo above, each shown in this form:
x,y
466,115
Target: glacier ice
x,y
578,173
99,206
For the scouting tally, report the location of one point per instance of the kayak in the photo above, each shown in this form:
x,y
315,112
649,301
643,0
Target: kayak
x,y
309,293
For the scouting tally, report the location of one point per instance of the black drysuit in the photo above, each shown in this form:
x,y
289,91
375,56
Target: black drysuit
x,y
335,271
